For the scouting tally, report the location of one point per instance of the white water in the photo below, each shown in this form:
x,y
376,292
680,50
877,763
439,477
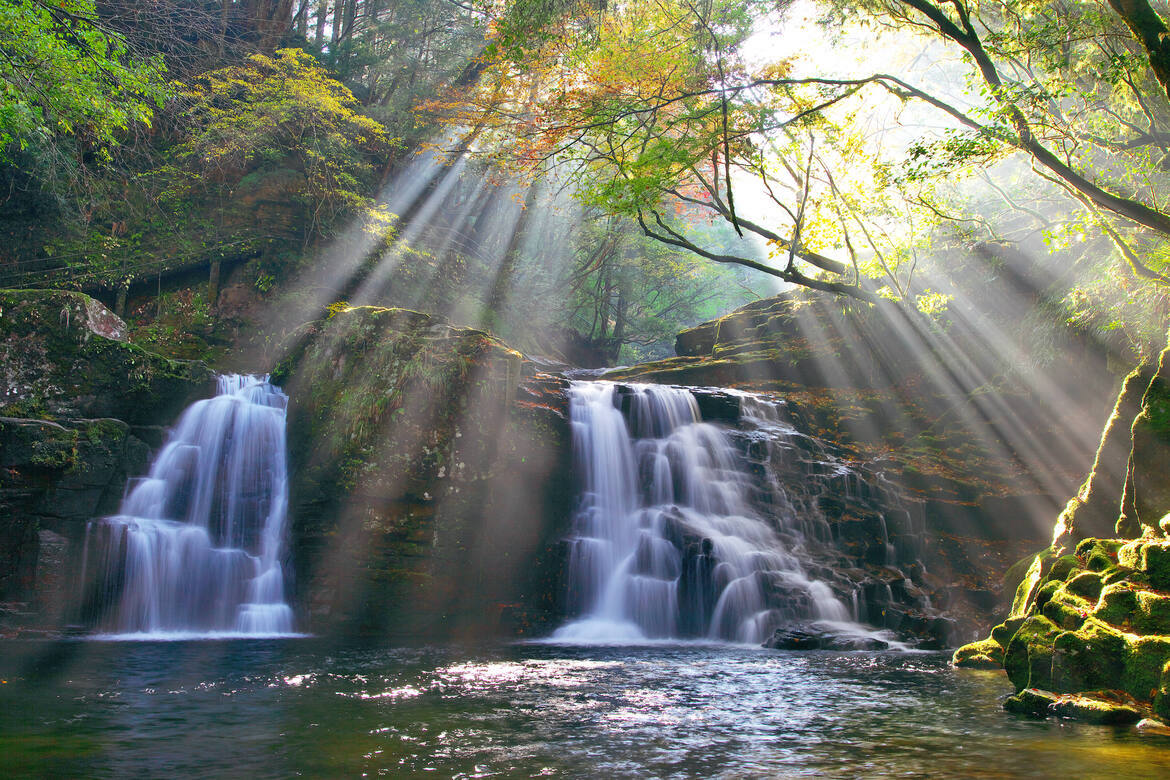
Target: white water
x,y
665,542
196,547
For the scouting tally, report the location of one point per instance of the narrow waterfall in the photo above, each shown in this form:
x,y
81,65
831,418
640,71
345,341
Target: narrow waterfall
x,y
196,546
666,542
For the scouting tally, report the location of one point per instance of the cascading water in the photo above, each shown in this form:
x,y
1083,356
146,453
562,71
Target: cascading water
x,y
196,546
666,543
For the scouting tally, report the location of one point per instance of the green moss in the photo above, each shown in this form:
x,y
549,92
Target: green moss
x,y
1117,604
1087,659
1162,700
1091,709
1027,590
1145,659
1028,657
1098,554
57,451
984,654
1045,593
1003,633
1066,609
1087,585
1031,701
1152,558
1063,566
1153,612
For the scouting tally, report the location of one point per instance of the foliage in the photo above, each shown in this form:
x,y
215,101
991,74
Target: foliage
x,y
278,122
64,74
663,113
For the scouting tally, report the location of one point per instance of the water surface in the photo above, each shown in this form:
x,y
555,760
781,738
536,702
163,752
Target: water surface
x,y
248,708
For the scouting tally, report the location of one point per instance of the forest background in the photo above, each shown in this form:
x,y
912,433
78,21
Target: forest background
x,y
597,176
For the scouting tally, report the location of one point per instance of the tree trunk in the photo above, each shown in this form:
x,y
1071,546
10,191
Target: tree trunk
x,y
1147,26
213,284
322,15
1093,512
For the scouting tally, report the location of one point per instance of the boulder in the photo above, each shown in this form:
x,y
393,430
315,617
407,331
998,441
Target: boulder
x,y
813,637
430,482
984,654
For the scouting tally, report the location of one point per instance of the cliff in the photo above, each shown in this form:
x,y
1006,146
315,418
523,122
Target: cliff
x,y
80,410
430,478
1088,635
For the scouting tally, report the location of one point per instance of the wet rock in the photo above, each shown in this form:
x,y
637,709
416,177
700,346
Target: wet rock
x,y
1031,701
1091,709
430,479
1153,726
984,654
1028,657
810,637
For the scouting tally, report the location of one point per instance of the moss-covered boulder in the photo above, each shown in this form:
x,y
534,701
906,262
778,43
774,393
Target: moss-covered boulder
x,y
1145,658
984,654
1162,699
1151,558
63,354
1103,709
1089,658
1028,656
430,482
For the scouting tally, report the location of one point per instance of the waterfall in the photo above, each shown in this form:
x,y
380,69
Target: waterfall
x,y
665,542
196,546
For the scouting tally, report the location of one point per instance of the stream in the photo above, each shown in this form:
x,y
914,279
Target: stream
x,y
307,708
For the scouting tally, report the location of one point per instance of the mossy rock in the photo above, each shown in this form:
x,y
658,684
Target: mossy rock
x,y
1162,700
1146,658
63,354
1094,709
1098,554
1028,657
1031,701
1106,708
1066,609
1088,659
1152,558
984,654
1153,612
1003,633
1117,604
1032,580
1064,566
1045,593
1086,585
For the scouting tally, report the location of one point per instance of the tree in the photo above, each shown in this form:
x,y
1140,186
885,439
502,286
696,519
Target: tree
x,y
278,117
63,75
656,109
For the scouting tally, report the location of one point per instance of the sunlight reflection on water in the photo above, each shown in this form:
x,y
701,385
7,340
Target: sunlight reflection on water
x,y
282,709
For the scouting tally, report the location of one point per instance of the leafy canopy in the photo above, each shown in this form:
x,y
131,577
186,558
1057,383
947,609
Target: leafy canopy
x,y
62,73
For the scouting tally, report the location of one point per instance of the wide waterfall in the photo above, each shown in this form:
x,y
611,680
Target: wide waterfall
x,y
666,542
196,546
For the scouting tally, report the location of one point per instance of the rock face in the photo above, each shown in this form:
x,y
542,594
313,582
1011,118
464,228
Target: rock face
x,y
1089,632
430,479
80,410
957,453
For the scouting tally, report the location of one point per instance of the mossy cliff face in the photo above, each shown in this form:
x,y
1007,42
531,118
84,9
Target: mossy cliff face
x,y
430,478
1089,632
63,354
80,410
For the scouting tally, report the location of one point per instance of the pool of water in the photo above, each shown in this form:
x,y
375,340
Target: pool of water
x,y
246,708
